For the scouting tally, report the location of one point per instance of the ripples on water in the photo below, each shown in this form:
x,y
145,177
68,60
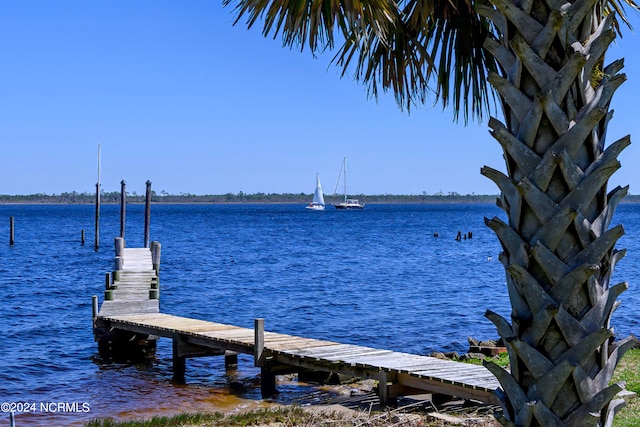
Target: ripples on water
x,y
376,277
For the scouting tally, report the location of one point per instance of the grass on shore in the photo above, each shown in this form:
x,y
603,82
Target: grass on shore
x,y
286,416
628,370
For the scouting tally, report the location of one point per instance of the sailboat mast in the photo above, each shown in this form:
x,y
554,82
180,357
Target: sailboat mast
x,y
344,167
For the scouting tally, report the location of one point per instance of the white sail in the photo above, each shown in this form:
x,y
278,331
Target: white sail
x,y
318,197
317,204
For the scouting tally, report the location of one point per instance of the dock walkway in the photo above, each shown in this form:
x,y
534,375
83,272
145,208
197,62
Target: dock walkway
x,y
132,289
132,312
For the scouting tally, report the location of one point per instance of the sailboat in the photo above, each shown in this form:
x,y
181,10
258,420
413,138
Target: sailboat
x,y
347,203
317,204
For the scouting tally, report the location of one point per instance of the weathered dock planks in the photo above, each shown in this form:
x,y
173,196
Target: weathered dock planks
x,y
134,281
132,311
132,288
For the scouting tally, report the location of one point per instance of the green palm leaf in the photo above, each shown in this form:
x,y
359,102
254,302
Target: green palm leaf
x,y
417,49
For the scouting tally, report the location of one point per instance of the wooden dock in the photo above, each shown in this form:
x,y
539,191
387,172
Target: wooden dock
x,y
134,287
131,314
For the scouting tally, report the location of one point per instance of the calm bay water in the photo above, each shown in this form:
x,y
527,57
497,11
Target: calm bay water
x,y
376,277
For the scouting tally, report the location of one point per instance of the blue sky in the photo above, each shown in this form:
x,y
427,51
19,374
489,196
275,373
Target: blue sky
x,y
175,94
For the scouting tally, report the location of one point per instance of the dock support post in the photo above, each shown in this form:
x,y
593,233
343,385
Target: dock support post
x,y
82,238
123,206
119,244
179,361
155,262
230,359
267,377
119,258
258,341
12,229
94,307
267,382
383,389
156,249
147,214
119,263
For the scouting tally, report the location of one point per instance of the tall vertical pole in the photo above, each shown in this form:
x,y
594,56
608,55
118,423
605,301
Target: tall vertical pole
x,y
147,214
123,206
97,236
345,180
12,233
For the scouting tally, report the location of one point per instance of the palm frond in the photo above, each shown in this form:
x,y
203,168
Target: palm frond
x,y
619,8
389,46
312,23
417,49
432,50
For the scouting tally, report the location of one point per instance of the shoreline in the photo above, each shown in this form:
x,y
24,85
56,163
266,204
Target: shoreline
x,y
115,198
235,203
248,199
357,402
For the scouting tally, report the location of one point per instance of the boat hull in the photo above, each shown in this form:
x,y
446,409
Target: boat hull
x,y
313,207
350,204
347,206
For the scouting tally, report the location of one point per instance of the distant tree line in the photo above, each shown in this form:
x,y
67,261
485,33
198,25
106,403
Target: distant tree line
x,y
241,197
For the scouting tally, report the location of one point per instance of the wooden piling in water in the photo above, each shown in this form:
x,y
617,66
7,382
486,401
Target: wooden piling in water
x,y
147,214
230,359
82,237
12,229
123,206
97,235
267,382
179,361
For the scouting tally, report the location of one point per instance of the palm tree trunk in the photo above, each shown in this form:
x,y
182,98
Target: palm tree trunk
x,y
558,249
